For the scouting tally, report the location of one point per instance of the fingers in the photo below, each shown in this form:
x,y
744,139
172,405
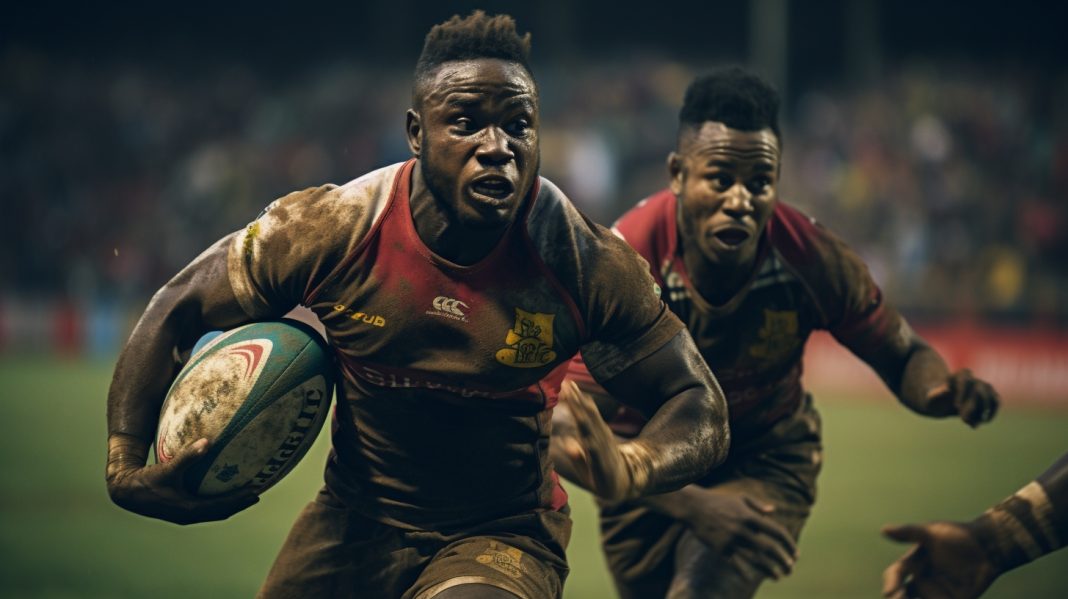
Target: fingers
x,y
221,508
774,554
594,444
894,580
765,563
906,533
975,400
171,472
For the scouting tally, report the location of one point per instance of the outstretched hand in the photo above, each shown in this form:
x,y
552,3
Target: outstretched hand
x,y
742,528
610,469
158,491
946,563
973,399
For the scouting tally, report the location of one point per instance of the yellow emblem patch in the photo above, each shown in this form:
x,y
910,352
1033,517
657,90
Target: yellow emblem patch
x,y
530,341
778,336
503,559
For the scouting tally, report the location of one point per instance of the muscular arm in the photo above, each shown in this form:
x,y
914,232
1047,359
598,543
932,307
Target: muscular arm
x,y
918,376
729,523
195,301
960,560
686,434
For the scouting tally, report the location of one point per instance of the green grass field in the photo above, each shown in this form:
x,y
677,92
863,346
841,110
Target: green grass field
x,y
61,537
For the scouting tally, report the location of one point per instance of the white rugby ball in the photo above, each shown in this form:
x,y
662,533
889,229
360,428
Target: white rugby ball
x,y
260,393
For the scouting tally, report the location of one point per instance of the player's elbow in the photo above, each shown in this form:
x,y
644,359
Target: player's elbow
x,y
718,439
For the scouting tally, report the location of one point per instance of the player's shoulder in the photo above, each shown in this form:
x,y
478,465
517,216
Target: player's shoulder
x,y
571,244
799,238
318,211
650,226
329,204
555,222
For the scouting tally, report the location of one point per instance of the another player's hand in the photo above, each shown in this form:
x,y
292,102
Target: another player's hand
x,y
973,399
742,528
610,469
946,563
157,491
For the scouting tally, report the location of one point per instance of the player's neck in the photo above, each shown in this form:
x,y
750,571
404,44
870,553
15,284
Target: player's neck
x,y
442,233
718,281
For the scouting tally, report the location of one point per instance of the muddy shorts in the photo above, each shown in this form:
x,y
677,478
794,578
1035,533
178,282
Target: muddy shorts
x,y
649,553
333,551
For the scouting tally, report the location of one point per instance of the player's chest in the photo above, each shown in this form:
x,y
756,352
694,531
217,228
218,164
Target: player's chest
x,y
764,331
503,322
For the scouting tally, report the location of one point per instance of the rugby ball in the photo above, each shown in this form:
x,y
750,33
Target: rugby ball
x,y
260,393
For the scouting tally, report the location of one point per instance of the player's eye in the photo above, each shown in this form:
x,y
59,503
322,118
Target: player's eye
x,y
720,181
759,184
518,127
463,124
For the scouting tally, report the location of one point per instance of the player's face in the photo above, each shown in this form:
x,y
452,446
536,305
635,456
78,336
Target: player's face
x,y
725,180
476,134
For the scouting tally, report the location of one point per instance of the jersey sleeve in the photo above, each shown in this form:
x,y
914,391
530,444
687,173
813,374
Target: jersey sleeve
x,y
853,307
625,316
286,252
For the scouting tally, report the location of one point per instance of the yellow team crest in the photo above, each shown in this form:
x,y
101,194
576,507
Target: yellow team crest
x,y
530,341
778,336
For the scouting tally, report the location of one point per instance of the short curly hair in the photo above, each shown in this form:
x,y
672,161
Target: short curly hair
x,y
477,35
733,96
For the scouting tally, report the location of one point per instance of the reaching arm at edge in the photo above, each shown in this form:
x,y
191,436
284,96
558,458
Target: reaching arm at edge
x,y
1030,523
962,559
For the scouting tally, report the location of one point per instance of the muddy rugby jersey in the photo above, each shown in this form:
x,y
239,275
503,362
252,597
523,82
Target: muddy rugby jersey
x,y
449,372
805,279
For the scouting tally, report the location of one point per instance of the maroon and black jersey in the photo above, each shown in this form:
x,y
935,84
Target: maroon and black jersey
x,y
450,372
805,279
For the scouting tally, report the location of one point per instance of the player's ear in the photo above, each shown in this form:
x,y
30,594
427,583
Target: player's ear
x,y
674,164
413,128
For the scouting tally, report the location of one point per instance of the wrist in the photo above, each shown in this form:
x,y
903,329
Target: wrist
x,y
125,452
639,461
1018,530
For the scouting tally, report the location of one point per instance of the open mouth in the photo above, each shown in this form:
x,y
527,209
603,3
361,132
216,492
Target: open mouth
x,y
732,237
494,188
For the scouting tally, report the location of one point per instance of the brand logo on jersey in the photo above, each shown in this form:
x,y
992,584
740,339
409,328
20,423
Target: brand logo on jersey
x,y
371,319
529,341
778,336
503,558
449,308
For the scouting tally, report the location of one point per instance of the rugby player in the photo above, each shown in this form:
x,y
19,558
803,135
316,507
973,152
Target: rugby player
x,y
960,560
454,289
751,277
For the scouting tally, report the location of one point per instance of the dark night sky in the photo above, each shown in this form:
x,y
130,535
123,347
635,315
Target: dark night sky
x,y
292,34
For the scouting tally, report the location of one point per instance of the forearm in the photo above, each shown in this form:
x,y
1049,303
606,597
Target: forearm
x,y
198,299
924,372
684,439
1030,523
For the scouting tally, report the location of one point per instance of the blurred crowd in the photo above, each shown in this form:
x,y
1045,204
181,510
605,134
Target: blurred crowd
x,y
950,180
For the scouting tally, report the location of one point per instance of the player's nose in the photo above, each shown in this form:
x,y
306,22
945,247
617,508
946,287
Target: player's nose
x,y
493,147
739,201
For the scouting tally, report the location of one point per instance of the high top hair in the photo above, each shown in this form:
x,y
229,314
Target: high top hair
x,y
477,35
733,96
